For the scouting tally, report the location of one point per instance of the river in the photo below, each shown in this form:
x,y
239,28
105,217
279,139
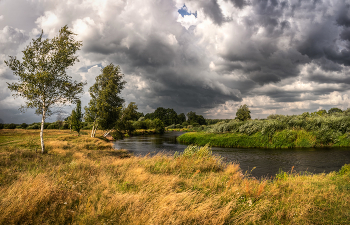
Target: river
x,y
259,163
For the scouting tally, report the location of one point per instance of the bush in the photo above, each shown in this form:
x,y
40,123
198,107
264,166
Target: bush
x,y
34,126
185,124
10,126
172,126
23,125
196,151
178,126
1,126
159,126
52,126
195,124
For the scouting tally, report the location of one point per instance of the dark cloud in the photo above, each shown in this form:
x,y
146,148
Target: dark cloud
x,y
239,3
212,9
343,18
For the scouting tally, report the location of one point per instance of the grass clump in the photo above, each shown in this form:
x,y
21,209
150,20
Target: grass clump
x,y
85,181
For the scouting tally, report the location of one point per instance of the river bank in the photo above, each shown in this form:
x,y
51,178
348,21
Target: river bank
x,y
280,139
84,180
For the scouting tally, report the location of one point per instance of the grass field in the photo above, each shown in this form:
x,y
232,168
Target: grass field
x,y
84,181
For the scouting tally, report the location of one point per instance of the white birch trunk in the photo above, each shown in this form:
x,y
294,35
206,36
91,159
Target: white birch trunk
x,y
105,135
93,129
42,133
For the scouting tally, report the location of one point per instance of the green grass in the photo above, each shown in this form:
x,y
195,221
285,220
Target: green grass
x,y
280,139
82,180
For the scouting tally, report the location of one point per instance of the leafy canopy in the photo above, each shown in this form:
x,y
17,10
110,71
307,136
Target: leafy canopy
x,y
43,81
243,113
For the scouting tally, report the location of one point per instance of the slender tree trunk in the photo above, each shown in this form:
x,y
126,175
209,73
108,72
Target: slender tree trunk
x,y
105,134
42,133
93,129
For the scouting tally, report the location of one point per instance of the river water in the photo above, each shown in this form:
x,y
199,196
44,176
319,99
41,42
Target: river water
x,y
259,163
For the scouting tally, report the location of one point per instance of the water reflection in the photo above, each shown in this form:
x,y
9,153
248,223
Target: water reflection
x,y
267,161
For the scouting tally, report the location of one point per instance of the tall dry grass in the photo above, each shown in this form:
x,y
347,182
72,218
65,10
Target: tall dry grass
x,y
84,181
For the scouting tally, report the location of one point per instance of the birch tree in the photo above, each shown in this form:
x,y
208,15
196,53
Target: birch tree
x,y
42,78
106,104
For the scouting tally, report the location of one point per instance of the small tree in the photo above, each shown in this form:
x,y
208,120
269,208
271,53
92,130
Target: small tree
x,y
43,81
334,110
124,124
105,105
76,118
159,126
243,113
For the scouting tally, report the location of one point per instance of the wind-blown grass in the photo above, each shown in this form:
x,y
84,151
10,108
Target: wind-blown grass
x,y
84,181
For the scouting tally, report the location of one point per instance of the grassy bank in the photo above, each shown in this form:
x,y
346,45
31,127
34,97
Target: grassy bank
x,y
280,139
84,181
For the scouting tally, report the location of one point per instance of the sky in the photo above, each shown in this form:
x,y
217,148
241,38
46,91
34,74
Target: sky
x,y
207,56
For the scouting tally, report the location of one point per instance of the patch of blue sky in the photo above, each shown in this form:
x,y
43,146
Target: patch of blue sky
x,y
184,11
86,68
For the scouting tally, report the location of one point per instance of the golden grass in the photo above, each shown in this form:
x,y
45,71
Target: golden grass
x,y
84,181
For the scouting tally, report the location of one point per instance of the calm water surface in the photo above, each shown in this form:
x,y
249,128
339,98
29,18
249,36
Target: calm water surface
x,y
267,162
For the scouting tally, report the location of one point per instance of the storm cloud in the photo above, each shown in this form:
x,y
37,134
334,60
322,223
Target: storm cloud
x,y
277,56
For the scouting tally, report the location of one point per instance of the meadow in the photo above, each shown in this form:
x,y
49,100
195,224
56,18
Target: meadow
x,y
83,180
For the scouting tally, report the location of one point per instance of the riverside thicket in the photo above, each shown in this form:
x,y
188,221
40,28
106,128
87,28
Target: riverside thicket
x,y
278,131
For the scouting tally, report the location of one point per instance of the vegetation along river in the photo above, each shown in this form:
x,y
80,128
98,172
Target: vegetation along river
x,y
267,162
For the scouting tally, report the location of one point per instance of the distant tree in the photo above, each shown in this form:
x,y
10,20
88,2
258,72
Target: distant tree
x,y
43,80
347,112
128,114
159,126
24,125
1,126
181,118
243,113
105,105
334,110
59,121
321,112
76,118
193,118
10,126
167,116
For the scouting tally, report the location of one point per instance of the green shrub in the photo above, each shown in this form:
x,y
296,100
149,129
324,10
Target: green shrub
x,y
52,126
24,125
34,126
159,126
198,152
1,126
172,126
10,126
344,170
